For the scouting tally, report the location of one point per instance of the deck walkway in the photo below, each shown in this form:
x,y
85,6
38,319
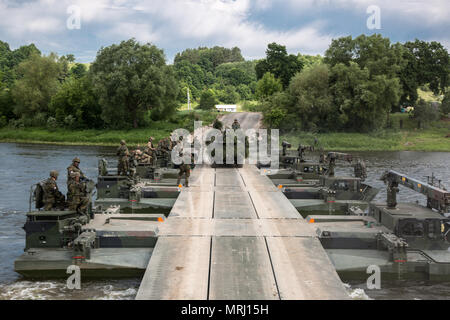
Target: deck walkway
x,y
234,236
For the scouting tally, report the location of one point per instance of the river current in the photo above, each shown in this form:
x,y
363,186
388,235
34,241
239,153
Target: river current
x,y
22,165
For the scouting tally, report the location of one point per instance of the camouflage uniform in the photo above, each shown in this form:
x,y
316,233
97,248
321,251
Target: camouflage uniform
x,y
186,170
164,147
360,170
218,124
122,152
236,125
52,197
145,158
74,168
322,158
150,150
78,202
71,169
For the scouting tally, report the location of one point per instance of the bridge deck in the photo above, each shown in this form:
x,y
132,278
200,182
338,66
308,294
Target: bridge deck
x,y
234,235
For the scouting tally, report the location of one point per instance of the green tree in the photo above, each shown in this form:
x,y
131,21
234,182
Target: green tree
x,y
209,58
267,86
237,73
244,92
426,63
38,82
445,107
130,79
374,53
76,100
309,61
6,102
341,50
229,95
78,71
363,103
9,60
279,63
194,77
275,111
313,102
425,113
208,100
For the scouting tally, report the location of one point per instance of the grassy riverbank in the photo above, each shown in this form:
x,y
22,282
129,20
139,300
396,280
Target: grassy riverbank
x,y
156,129
409,138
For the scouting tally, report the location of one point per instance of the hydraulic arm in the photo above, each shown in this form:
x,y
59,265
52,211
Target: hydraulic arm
x,y
437,198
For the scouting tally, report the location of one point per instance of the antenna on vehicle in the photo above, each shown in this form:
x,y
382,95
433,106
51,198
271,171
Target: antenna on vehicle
x,y
188,99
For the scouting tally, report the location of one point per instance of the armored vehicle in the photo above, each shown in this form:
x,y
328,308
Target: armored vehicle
x,y
332,195
406,240
314,189
102,244
234,153
148,188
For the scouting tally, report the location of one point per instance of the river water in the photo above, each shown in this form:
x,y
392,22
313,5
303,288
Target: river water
x,y
22,165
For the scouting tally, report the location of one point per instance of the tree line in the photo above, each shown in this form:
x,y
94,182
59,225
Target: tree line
x,y
354,87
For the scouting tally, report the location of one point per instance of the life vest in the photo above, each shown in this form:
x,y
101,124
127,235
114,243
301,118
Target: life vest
x,y
38,195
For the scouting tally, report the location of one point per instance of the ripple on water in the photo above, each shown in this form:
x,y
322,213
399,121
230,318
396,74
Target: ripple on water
x,y
37,160
57,290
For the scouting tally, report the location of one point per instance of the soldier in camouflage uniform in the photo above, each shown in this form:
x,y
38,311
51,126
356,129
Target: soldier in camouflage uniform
x,y
322,156
360,170
151,150
164,147
133,160
78,202
236,125
53,199
122,152
185,169
218,124
74,167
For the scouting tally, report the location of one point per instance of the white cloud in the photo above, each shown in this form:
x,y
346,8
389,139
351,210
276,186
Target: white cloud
x,y
431,12
177,24
226,23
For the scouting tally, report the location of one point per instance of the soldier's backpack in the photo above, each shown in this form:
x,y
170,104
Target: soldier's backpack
x,y
38,195
102,167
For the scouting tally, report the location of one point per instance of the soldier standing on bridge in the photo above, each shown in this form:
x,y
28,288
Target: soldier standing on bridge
x,y
218,124
185,169
151,150
322,158
77,189
53,199
360,170
236,125
74,167
122,152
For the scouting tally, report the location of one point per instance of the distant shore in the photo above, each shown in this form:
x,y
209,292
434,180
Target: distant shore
x,y
420,140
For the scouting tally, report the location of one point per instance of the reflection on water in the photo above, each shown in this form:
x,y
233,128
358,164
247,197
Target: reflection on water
x,y
25,164
57,290
402,290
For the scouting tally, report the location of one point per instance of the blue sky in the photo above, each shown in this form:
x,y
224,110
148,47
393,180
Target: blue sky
x,y
305,26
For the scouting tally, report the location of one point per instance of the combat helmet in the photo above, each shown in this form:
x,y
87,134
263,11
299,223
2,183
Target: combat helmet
x,y
122,142
54,174
76,159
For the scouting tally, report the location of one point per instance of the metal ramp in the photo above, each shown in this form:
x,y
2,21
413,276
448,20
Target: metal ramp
x,y
234,236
